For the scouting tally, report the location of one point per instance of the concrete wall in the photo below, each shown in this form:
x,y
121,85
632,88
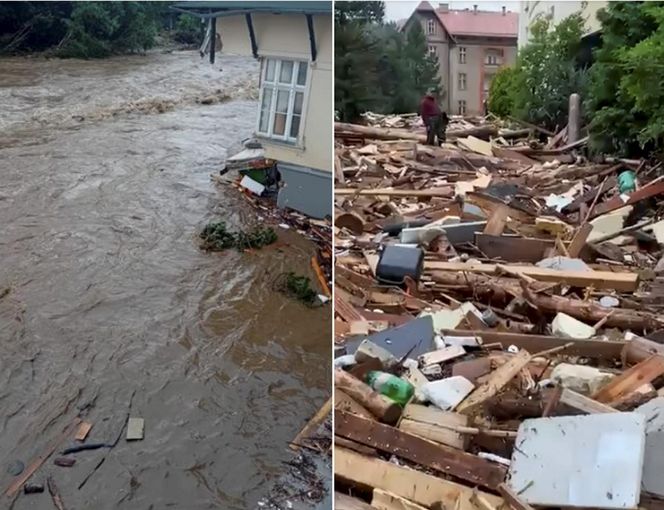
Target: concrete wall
x,y
286,36
530,10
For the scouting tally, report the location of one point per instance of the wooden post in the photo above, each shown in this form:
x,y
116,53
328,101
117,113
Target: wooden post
x,y
213,39
574,120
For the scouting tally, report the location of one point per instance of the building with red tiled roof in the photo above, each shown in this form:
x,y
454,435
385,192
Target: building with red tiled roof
x,y
471,45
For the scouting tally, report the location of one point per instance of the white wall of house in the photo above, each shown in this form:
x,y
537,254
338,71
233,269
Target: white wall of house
x,y
286,36
530,10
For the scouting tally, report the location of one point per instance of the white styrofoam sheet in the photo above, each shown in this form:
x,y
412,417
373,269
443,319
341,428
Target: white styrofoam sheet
x,y
653,464
591,461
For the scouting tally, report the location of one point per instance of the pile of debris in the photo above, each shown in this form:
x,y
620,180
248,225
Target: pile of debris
x,y
498,314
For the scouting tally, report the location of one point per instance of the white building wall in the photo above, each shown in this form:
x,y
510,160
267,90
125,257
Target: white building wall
x,y
287,36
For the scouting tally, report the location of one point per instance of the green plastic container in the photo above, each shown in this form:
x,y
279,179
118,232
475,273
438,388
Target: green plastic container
x,y
257,174
391,386
627,181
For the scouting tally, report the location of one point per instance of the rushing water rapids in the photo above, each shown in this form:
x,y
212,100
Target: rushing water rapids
x,y
104,182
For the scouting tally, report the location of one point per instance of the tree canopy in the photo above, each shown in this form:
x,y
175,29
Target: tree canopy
x,y
378,67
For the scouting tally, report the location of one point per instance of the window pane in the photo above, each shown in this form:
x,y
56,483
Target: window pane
x,y
295,126
280,116
286,75
279,124
297,106
282,101
265,110
302,73
269,69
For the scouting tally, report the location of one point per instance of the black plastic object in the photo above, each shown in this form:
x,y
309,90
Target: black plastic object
x,y
397,262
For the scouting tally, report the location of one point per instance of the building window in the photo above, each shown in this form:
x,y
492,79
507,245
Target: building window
x,y
431,27
282,98
462,107
462,81
493,58
462,55
432,51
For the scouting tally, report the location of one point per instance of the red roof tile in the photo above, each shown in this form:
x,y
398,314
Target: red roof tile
x,y
488,23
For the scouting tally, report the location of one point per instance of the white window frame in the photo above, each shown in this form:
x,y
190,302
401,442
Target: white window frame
x,y
462,107
492,58
432,50
462,54
431,27
275,86
462,81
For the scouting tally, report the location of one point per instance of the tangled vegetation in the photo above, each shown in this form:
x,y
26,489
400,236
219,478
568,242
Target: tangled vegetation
x,y
296,287
217,237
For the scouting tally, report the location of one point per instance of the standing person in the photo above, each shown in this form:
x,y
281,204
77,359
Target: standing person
x,y
432,118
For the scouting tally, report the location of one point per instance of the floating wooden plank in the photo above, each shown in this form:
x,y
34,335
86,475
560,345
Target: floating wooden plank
x,y
596,349
312,424
582,403
441,355
321,277
495,382
343,502
436,456
135,428
36,464
512,498
413,485
627,282
497,221
83,431
383,500
631,379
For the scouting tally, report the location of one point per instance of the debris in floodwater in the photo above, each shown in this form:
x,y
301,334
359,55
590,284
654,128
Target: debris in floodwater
x,y
33,488
217,237
295,286
64,461
135,428
15,468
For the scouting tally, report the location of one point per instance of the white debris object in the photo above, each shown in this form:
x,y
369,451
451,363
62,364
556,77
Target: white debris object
x,y
591,461
580,378
568,327
447,393
255,187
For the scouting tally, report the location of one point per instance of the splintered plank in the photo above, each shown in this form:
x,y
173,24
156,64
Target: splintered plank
x,y
627,282
631,379
421,488
383,500
451,461
312,424
579,240
512,498
497,221
441,355
429,423
495,382
584,404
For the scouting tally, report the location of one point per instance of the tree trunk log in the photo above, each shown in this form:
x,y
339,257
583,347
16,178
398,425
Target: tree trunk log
x,y
379,133
381,407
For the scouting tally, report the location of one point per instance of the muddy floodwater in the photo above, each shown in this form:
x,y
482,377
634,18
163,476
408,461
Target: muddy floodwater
x,y
104,183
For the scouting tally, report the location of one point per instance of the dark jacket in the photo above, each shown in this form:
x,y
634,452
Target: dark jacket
x,y
429,107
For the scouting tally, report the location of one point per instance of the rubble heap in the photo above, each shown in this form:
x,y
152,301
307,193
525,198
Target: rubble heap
x,y
498,313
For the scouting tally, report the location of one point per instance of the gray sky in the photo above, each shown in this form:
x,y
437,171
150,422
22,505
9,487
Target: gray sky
x,y
401,9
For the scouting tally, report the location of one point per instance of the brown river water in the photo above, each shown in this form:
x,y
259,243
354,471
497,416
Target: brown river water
x,y
104,183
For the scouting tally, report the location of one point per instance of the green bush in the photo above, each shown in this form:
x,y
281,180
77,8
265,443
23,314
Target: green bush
x,y
547,73
217,237
188,29
501,92
625,103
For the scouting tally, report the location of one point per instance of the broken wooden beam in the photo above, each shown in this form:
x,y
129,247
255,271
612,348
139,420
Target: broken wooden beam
x,y
445,459
380,406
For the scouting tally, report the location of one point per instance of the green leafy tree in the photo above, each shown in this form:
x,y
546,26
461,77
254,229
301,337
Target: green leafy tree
x,y
624,101
547,73
502,91
188,29
359,12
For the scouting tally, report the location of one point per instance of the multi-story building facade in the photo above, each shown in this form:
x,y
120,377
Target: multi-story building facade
x,y
471,45
556,11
